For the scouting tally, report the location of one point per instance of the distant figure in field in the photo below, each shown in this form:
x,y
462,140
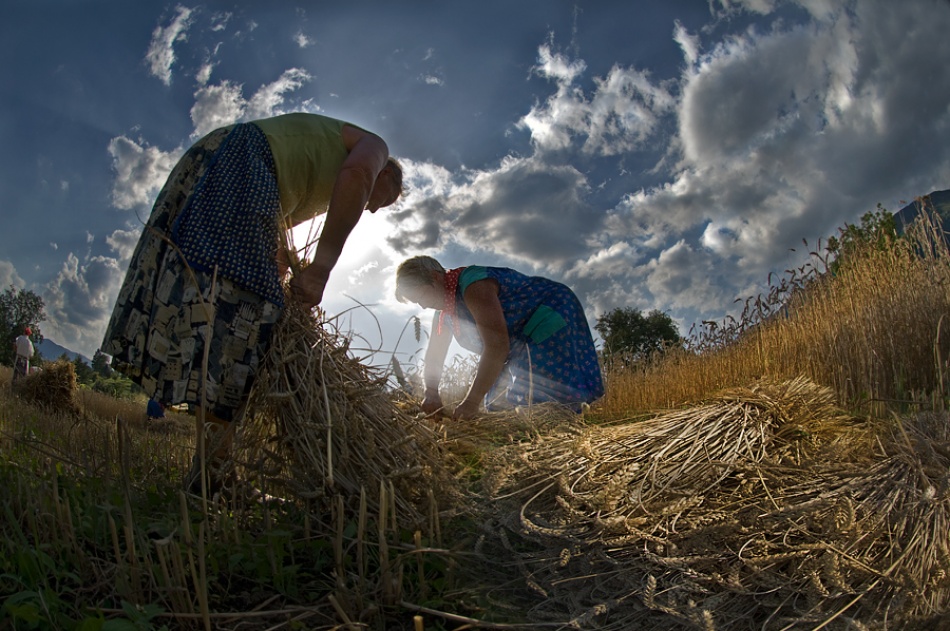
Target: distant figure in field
x,y
531,334
155,409
23,348
210,263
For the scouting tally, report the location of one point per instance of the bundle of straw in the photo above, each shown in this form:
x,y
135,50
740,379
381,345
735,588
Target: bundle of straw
x,y
55,386
619,472
766,508
320,424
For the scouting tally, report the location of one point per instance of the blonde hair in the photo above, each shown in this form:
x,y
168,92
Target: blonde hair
x,y
415,272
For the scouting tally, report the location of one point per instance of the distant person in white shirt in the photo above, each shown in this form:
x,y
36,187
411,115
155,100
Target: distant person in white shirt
x,y
24,352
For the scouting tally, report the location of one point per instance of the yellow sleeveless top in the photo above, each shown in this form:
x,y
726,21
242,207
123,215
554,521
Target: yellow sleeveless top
x,y
308,151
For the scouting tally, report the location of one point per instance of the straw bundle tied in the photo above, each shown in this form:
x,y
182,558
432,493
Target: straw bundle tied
x,y
621,470
55,386
762,509
320,424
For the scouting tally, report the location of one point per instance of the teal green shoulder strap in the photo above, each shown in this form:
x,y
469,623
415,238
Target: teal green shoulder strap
x,y
471,274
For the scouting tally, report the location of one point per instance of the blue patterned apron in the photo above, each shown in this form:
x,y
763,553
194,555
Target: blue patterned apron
x,y
552,355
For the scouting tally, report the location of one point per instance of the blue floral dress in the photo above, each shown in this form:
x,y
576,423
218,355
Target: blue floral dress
x,y
552,355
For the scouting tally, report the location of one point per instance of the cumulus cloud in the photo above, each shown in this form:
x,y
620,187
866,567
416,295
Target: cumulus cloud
x,y
224,104
682,277
219,21
525,211
9,276
763,7
769,152
689,43
417,218
735,102
762,153
769,148
623,111
204,73
123,243
720,239
216,106
356,276
161,51
608,262
267,101
79,302
141,171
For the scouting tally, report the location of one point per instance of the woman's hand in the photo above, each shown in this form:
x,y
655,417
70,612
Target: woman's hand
x,y
307,286
467,409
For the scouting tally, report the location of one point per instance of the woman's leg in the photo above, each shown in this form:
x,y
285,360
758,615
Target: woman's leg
x,y
212,454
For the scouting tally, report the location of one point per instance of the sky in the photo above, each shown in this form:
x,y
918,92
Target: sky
x,y
650,154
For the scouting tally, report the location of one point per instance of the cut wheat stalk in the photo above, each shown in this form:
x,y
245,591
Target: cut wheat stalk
x,y
326,425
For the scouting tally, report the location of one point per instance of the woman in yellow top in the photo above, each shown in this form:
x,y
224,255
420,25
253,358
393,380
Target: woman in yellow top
x,y
208,259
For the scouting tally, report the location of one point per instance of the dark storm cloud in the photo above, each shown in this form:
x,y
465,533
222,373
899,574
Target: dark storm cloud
x,y
528,211
774,153
525,211
426,217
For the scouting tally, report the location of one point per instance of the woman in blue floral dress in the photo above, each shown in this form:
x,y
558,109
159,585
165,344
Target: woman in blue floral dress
x,y
530,332
204,289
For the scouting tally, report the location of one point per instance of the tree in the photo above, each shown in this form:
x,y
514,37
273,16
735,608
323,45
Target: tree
x,y
630,336
100,364
878,229
19,308
84,372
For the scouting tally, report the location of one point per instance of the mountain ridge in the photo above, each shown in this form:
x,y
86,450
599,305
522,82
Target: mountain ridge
x,y
937,202
51,351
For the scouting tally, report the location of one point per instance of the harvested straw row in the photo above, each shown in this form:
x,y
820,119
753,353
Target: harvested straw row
x,y
624,470
321,424
740,531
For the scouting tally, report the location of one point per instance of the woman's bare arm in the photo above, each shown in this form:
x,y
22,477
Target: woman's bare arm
x,y
354,182
481,298
434,362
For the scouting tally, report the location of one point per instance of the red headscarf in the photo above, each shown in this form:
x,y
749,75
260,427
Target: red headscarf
x,y
451,284
27,331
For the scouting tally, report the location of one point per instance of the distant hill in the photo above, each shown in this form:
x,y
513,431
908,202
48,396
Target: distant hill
x,y
938,202
50,351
